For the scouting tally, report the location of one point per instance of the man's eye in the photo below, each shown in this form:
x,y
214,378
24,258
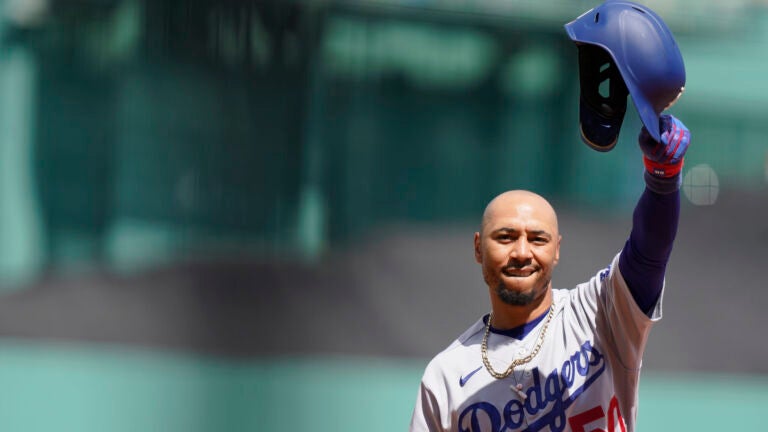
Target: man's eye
x,y
540,240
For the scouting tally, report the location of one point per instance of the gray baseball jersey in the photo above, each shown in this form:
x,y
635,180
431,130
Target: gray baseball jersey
x,y
584,378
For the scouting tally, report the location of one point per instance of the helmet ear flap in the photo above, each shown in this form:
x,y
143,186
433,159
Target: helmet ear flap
x,y
603,97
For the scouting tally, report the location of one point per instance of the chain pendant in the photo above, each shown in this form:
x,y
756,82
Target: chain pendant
x,y
516,362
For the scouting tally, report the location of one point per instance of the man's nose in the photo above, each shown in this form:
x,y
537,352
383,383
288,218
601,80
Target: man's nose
x,y
521,249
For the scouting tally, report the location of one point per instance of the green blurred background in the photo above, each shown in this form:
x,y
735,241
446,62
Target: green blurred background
x,y
258,215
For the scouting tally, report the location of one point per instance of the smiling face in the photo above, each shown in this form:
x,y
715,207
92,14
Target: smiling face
x,y
518,247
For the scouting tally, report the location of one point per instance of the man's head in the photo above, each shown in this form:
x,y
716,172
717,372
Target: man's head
x,y
518,246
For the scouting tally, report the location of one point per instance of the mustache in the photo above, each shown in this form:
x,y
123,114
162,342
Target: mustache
x,y
520,265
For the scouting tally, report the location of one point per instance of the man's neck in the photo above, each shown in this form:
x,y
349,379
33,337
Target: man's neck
x,y
506,316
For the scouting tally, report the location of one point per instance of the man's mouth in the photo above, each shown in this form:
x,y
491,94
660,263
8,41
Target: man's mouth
x,y
518,271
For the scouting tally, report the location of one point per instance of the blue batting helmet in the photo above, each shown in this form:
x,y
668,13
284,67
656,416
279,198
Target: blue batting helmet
x,y
630,46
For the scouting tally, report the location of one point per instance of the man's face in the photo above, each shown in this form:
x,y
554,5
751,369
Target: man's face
x,y
518,247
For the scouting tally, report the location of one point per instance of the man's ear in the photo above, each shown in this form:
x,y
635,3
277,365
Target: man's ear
x,y
557,249
478,254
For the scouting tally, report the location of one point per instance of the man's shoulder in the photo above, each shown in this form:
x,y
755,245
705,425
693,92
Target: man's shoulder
x,y
585,297
595,282
460,348
470,336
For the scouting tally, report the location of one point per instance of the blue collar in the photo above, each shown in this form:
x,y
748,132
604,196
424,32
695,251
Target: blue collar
x,y
521,331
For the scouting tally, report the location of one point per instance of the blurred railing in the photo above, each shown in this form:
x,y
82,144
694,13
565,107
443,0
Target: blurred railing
x,y
138,131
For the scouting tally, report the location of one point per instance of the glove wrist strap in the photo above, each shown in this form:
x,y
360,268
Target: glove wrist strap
x,y
662,170
662,185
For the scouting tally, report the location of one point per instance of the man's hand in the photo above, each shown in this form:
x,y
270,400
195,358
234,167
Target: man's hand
x,y
665,159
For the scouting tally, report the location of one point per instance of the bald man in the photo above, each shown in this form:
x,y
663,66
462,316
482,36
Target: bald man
x,y
518,246
549,359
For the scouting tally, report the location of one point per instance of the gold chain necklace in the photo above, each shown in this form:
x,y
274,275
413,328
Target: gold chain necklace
x,y
515,362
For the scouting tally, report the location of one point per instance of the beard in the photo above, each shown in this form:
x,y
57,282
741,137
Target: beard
x,y
516,298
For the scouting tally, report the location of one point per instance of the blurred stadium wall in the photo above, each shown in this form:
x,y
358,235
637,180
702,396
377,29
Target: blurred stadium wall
x,y
257,215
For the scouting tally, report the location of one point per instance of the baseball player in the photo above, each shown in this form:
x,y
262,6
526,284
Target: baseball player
x,y
549,359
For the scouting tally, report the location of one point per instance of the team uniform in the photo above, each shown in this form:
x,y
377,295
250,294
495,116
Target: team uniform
x,y
585,376
581,365
585,372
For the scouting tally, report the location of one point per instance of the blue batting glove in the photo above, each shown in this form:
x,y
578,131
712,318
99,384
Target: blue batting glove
x,y
665,159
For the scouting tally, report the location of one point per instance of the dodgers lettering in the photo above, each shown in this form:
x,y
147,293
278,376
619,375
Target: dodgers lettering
x,y
555,394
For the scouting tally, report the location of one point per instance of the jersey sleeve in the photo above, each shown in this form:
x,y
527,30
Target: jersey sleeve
x,y
626,323
431,412
435,403
606,305
426,413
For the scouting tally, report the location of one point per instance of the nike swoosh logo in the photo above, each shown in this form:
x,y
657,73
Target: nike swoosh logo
x,y
463,380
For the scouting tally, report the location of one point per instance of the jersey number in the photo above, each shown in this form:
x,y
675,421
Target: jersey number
x,y
579,421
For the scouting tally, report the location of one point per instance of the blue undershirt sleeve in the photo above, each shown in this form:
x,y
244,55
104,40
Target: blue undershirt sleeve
x,y
643,260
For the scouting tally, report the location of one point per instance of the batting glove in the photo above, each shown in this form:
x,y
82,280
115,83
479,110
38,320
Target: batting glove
x,y
665,159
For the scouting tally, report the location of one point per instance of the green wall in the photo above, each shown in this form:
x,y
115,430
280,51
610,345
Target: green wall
x,y
84,388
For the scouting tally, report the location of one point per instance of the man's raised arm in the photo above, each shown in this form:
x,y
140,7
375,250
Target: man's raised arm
x,y
644,258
